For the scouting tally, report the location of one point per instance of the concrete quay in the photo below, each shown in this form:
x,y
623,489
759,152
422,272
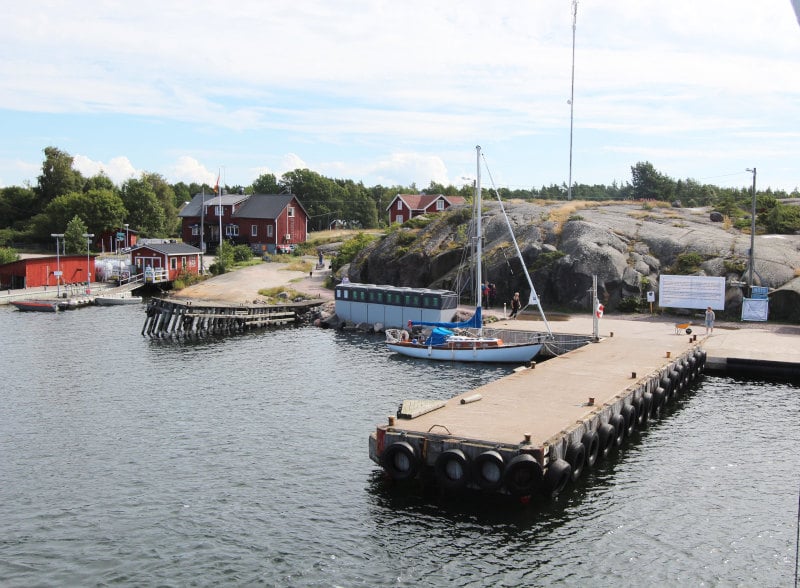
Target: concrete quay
x,y
536,430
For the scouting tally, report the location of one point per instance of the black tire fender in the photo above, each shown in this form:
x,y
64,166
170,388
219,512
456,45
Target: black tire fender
x,y
607,434
628,413
452,469
591,442
576,458
523,475
558,473
488,470
638,406
618,422
647,406
400,461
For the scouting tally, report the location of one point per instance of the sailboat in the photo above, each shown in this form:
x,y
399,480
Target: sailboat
x,y
468,340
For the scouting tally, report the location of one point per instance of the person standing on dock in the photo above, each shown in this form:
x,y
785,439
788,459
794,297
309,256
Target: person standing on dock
x,y
515,305
710,317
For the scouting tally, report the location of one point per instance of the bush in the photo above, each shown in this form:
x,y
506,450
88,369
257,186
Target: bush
x,y
688,263
242,253
631,304
7,255
350,249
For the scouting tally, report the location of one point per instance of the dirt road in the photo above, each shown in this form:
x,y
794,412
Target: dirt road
x,y
242,285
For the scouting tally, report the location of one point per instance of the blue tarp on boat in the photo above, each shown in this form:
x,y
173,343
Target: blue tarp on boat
x,y
438,336
474,322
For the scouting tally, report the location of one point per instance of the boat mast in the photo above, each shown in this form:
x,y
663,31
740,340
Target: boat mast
x,y
478,244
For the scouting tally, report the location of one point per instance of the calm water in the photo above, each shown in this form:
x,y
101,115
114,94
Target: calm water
x,y
243,461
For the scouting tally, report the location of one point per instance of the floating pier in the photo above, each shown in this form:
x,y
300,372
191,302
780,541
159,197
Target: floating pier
x,y
188,318
536,430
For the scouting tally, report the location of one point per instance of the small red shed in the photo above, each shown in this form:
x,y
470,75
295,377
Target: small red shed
x,y
175,258
35,272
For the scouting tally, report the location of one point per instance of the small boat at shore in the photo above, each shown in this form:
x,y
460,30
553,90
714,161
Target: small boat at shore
x,y
37,305
116,300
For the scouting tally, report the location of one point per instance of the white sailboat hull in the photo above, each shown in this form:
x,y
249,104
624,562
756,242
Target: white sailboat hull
x,y
500,354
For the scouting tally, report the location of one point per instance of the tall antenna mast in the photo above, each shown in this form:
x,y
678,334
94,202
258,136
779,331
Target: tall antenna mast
x,y
572,95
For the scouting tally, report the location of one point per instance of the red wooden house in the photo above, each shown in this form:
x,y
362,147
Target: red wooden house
x,y
406,206
262,221
35,272
167,259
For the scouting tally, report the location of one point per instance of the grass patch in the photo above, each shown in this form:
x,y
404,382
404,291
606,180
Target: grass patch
x,y
282,294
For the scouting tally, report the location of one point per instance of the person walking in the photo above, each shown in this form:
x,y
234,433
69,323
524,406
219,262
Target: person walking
x,y
710,318
515,305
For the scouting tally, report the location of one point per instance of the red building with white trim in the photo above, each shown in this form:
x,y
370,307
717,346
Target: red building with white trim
x,y
35,272
406,206
175,258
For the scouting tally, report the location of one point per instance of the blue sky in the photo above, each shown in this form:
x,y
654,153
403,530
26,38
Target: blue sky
x,y
400,92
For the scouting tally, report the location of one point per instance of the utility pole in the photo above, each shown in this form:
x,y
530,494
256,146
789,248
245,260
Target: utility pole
x,y
752,234
572,96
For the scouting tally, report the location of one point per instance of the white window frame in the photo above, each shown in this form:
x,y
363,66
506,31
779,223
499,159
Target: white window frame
x,y
195,231
399,205
254,230
231,230
290,212
270,230
218,210
440,204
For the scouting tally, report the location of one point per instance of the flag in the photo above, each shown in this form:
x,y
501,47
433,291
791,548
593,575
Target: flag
x,y
600,309
216,186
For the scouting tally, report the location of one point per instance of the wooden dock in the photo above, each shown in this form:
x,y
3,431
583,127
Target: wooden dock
x,y
537,429
168,318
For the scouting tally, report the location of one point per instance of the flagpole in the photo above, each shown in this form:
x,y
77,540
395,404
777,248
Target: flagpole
x,y
219,195
202,232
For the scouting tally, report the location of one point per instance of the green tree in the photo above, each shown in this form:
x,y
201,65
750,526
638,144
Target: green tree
x,y
99,182
144,209
783,219
166,198
74,241
8,254
57,177
99,209
17,206
266,184
648,183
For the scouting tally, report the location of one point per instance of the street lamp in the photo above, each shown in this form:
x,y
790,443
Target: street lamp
x,y
752,233
126,236
58,263
88,237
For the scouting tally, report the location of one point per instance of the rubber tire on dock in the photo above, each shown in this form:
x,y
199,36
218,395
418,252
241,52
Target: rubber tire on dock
x,y
628,412
647,407
452,469
558,474
576,458
618,422
523,475
607,434
488,470
400,461
659,398
591,442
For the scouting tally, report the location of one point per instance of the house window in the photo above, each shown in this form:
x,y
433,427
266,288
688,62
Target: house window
x,y
195,231
269,230
399,205
173,263
399,219
290,212
440,204
254,230
232,230
218,210
183,263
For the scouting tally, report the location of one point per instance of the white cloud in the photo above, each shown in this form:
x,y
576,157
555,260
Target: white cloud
x,y
118,169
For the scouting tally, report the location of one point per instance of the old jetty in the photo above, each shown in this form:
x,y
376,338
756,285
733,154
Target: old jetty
x,y
191,318
536,430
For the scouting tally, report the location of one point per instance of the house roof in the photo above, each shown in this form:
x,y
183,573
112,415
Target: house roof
x,y
423,201
252,206
171,248
195,205
265,206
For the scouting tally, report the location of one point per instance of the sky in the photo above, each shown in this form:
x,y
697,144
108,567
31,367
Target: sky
x,y
395,93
